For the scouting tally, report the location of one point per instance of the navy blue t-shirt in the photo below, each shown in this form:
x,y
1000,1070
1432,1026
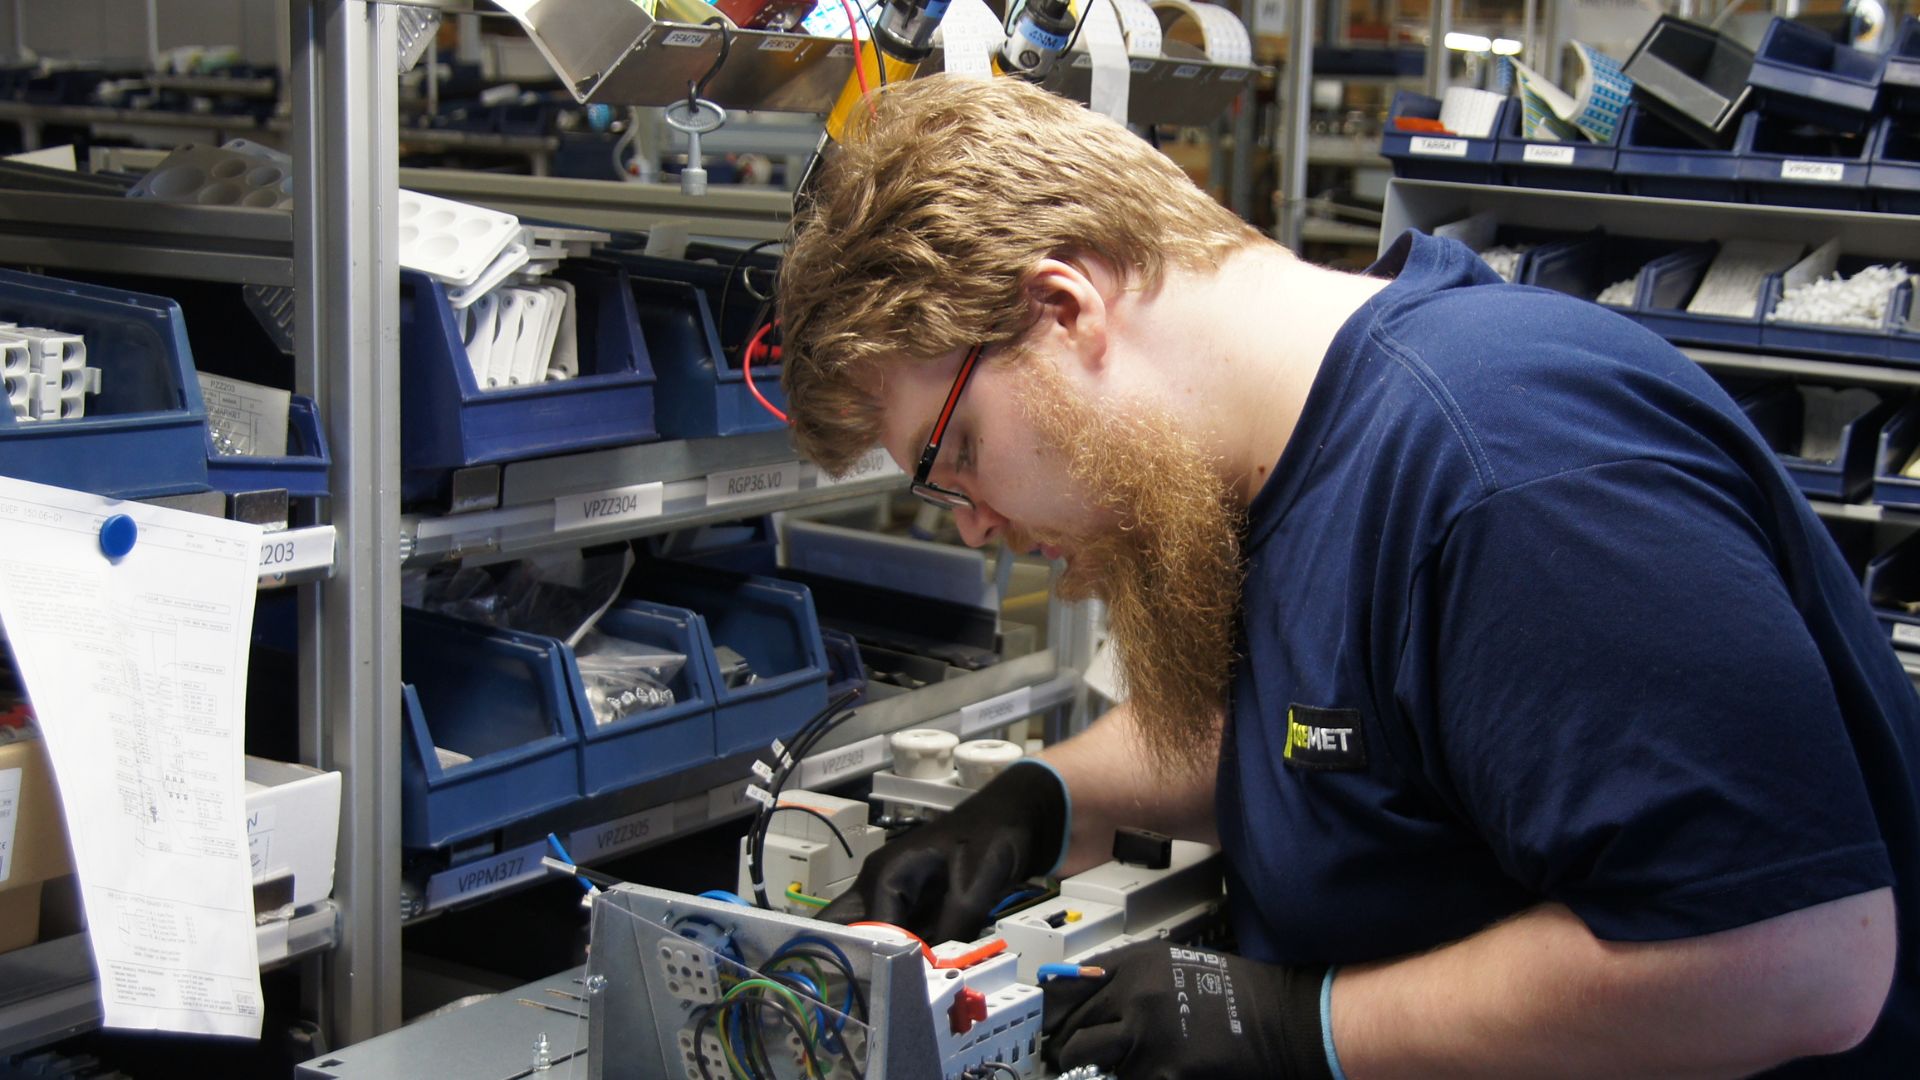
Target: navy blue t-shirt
x,y
1533,614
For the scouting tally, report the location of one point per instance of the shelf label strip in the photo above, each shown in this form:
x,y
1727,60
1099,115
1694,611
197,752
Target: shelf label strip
x,y
1432,147
507,869
1535,154
295,550
871,465
833,766
621,834
995,711
633,502
757,482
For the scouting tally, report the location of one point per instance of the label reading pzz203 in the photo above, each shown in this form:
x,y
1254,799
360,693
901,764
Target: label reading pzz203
x,y
757,482
277,553
630,503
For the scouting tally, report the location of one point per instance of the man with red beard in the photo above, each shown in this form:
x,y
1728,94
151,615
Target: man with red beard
x,y
1543,728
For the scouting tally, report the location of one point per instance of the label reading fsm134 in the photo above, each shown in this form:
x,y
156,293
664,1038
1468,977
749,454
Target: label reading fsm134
x,y
996,711
1824,172
621,834
871,465
1906,634
1547,155
631,503
1432,147
825,768
478,879
685,38
757,482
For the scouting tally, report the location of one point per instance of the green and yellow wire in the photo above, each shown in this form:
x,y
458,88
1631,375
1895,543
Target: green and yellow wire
x,y
794,894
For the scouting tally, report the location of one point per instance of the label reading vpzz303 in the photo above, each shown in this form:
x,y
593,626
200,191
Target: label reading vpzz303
x,y
754,483
1536,154
1823,172
995,711
631,503
1431,147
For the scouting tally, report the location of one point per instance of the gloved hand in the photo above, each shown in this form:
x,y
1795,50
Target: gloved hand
x,y
941,879
1169,1012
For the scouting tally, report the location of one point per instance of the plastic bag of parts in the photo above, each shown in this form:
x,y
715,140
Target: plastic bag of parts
x,y
560,595
624,677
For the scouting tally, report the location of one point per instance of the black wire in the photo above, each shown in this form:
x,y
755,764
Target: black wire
x,y
699,1055
985,1069
816,953
1082,25
697,90
810,732
726,287
794,1020
879,65
795,808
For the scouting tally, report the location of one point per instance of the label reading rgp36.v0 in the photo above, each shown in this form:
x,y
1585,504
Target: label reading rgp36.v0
x,y
757,482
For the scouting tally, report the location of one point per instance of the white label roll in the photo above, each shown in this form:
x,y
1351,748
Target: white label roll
x,y
1223,36
923,753
982,759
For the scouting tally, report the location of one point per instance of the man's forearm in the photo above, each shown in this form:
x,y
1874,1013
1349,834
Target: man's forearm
x,y
1539,995
1113,785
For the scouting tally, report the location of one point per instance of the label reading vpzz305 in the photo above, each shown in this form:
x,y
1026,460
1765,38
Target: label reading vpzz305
x,y
1906,634
1432,147
1536,154
1824,172
872,465
754,483
996,711
621,834
630,503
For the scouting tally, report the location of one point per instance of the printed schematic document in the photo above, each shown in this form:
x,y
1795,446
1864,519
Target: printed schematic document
x,y
137,671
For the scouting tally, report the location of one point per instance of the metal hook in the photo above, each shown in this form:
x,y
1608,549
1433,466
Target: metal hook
x,y
697,89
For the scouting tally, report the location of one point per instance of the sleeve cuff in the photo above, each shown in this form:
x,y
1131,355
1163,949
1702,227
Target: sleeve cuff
x,y
1066,823
1326,1025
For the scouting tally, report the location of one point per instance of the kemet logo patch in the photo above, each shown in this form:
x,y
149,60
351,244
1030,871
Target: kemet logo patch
x,y
1324,739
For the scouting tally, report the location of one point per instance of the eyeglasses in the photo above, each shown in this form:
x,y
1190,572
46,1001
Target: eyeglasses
x,y
923,487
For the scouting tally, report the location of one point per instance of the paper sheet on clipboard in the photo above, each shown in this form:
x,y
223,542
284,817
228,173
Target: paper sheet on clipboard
x,y
137,672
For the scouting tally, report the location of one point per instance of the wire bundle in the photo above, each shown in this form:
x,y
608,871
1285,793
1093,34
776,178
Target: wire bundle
x,y
809,735
791,991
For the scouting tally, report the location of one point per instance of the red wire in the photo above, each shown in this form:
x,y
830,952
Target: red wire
x,y
860,73
746,369
964,960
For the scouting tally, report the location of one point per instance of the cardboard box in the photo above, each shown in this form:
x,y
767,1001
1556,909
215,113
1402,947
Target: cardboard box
x,y
33,839
293,825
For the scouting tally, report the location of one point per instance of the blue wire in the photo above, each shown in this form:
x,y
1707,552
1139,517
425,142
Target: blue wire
x,y
834,950
554,843
722,894
827,1026
1017,898
1060,971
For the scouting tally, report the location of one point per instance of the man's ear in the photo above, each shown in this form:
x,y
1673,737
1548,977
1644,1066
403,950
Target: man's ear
x,y
1070,309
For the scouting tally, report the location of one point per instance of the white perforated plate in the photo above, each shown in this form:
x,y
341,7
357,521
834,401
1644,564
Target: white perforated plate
x,y
211,176
455,241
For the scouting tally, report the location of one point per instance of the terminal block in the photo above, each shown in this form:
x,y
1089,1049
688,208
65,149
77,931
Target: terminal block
x,y
801,850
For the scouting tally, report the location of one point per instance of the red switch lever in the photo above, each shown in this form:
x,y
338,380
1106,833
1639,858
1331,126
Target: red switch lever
x,y
969,1008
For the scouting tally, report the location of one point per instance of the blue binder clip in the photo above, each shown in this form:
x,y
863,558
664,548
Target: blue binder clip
x,y
117,535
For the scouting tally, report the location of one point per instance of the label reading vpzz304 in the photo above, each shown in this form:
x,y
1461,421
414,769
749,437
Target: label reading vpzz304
x,y
996,711
1536,154
754,483
1906,634
1824,172
872,465
1432,147
630,503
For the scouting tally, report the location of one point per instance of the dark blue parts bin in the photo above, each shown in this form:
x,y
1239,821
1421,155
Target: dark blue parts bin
x,y
1900,80
1588,266
1695,78
1422,156
1667,286
1843,342
1899,442
301,472
1893,173
1893,588
1826,437
643,745
1803,74
771,625
1659,160
1567,165
448,422
498,697
1787,164
145,433
701,391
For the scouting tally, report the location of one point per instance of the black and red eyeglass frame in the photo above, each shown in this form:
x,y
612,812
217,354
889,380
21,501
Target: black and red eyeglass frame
x,y
922,485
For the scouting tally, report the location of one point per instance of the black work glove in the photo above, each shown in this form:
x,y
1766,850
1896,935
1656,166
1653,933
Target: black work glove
x,y
1169,1012
941,879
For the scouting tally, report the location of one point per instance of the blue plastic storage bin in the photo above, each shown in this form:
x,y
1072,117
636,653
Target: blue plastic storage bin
x,y
1586,267
145,433
1569,165
845,670
1842,342
701,392
769,622
301,471
645,745
1785,164
1803,74
1893,172
1899,441
744,547
1658,160
448,422
1779,413
1694,77
1666,287
501,698
721,274
1900,79
1893,582
1420,156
